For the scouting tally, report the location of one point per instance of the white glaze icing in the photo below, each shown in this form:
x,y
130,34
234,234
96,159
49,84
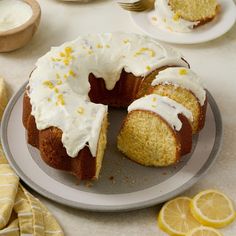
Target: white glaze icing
x,y
165,107
13,13
164,18
182,77
64,72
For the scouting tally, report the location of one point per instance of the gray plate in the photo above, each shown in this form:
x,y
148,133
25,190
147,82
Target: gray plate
x,y
123,184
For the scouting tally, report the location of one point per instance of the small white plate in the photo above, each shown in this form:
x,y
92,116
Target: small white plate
x,y
212,30
123,184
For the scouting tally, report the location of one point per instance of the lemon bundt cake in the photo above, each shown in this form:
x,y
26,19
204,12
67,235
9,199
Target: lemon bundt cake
x,y
156,131
183,15
185,87
66,100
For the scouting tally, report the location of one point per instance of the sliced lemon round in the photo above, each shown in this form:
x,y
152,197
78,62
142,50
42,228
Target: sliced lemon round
x,y
212,208
175,217
204,231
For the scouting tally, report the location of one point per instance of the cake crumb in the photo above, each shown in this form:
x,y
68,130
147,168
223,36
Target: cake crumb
x,y
111,177
88,184
126,180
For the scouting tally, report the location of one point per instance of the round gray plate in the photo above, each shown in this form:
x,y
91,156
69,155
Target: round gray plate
x,y
123,184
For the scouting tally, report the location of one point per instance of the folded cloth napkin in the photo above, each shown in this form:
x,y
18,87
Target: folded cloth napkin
x,y
20,212
3,96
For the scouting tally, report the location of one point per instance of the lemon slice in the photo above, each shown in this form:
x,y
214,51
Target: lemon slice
x,y
212,208
204,231
175,217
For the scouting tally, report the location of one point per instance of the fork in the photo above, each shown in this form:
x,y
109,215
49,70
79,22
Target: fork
x,y
139,5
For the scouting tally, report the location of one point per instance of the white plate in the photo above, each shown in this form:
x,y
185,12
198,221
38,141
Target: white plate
x,y
134,186
212,30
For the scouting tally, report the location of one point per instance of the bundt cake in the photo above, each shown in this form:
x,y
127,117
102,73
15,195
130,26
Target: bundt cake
x,y
66,100
156,131
183,15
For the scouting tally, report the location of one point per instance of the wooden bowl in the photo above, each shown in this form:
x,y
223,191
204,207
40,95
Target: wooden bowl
x,y
18,37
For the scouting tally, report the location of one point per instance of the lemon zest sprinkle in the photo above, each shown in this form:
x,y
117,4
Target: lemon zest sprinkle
x,y
99,45
68,50
80,110
90,52
62,54
154,18
49,84
66,62
59,82
60,100
72,73
126,41
183,72
176,17
142,50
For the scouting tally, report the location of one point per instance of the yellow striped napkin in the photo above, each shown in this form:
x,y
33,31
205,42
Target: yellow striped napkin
x,y
20,212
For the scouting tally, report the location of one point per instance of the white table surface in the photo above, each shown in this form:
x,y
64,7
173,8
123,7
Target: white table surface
x,y
214,61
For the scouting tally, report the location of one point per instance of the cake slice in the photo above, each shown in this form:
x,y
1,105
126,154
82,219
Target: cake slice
x,y
156,131
194,10
183,15
185,87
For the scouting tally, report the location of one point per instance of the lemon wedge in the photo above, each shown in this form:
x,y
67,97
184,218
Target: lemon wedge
x,y
203,230
175,217
212,208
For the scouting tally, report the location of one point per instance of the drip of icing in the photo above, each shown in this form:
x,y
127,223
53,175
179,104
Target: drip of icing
x,y
182,77
167,108
59,86
163,17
